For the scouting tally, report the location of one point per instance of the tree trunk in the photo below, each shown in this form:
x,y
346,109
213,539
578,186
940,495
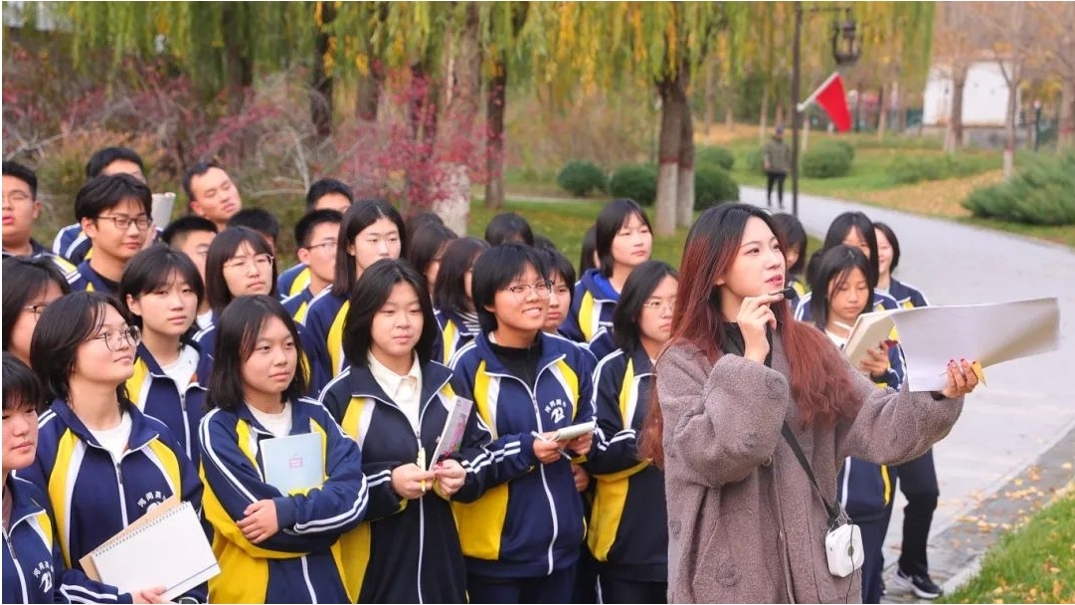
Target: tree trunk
x,y
901,113
370,86
882,115
685,177
1067,115
321,85
494,144
762,125
710,97
806,131
959,79
1009,124
668,143
238,67
452,202
729,118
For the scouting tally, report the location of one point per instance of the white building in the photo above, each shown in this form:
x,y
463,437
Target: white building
x,y
985,96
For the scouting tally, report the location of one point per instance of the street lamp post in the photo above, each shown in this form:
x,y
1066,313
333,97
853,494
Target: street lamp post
x,y
845,51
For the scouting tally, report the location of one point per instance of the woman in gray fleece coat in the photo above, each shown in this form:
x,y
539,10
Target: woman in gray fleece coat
x,y
745,524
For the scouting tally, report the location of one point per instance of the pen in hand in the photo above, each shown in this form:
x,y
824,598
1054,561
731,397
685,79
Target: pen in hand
x,y
539,436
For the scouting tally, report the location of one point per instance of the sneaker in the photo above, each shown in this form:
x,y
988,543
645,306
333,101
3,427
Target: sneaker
x,y
922,586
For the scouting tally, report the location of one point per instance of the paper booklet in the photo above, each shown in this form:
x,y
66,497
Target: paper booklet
x,y
165,547
294,463
930,336
574,431
451,436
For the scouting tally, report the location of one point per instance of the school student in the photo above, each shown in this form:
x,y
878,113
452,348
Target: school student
x,y
453,297
628,530
101,461
192,235
161,290
114,213
371,230
394,400
795,246
259,220
843,290
315,235
240,263
324,194
21,210
917,478
853,229
426,250
509,227
34,571
211,193
624,241
521,538
737,370
562,275
71,241
273,547
39,285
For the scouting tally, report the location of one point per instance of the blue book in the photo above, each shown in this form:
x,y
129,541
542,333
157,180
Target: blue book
x,y
293,464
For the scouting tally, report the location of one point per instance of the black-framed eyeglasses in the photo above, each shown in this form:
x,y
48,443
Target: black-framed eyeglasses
x,y
115,341
37,310
326,244
124,222
541,288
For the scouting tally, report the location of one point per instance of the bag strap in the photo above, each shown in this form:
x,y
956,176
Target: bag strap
x,y
834,513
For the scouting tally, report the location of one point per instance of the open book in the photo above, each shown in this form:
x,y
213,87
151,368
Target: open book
x,y
165,547
930,336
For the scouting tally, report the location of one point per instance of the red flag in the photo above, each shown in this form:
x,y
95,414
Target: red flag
x,y
832,98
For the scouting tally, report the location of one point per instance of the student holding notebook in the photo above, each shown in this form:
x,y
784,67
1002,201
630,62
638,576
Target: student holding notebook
x,y
273,546
101,461
395,401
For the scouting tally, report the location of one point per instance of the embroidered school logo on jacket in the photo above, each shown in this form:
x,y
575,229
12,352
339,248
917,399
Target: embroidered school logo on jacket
x,y
556,410
43,572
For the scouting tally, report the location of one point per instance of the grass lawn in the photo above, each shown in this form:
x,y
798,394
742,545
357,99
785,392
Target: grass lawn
x,y
1034,564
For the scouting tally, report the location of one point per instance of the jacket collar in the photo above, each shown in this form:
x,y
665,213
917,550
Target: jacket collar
x,y
143,355
640,361
589,281
300,418
361,383
141,431
551,351
23,505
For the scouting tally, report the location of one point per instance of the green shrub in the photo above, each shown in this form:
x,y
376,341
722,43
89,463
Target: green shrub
x,y
846,146
713,186
825,161
756,161
714,156
1040,194
635,181
910,169
579,178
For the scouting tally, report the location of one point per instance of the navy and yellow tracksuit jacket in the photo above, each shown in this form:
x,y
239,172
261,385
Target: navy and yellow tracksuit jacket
x,y
90,281
34,571
906,296
157,395
65,267
865,488
298,304
590,317
531,525
454,335
406,551
293,281
92,495
72,243
300,563
322,338
628,526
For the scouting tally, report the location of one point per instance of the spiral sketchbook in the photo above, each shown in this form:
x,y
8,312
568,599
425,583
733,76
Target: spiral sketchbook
x,y
165,547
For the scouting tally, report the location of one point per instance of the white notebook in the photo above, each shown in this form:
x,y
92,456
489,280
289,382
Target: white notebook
x,y
168,549
294,463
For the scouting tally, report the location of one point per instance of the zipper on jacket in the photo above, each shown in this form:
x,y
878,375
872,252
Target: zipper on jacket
x,y
541,469
186,422
18,567
421,544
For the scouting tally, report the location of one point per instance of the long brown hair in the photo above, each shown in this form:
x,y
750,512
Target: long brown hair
x,y
819,382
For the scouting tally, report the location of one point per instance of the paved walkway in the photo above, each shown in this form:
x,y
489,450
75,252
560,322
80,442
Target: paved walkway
x,y
1014,440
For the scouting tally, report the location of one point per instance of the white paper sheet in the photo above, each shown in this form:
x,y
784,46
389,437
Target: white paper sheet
x,y
990,333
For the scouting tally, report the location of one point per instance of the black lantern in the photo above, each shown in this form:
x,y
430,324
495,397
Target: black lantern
x,y
845,42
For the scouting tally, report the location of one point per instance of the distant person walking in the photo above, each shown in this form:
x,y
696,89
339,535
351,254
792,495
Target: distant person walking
x,y
776,156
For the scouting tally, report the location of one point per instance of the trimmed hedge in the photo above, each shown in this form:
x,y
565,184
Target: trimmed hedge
x,y
713,186
714,156
910,169
579,178
826,160
635,181
1041,194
